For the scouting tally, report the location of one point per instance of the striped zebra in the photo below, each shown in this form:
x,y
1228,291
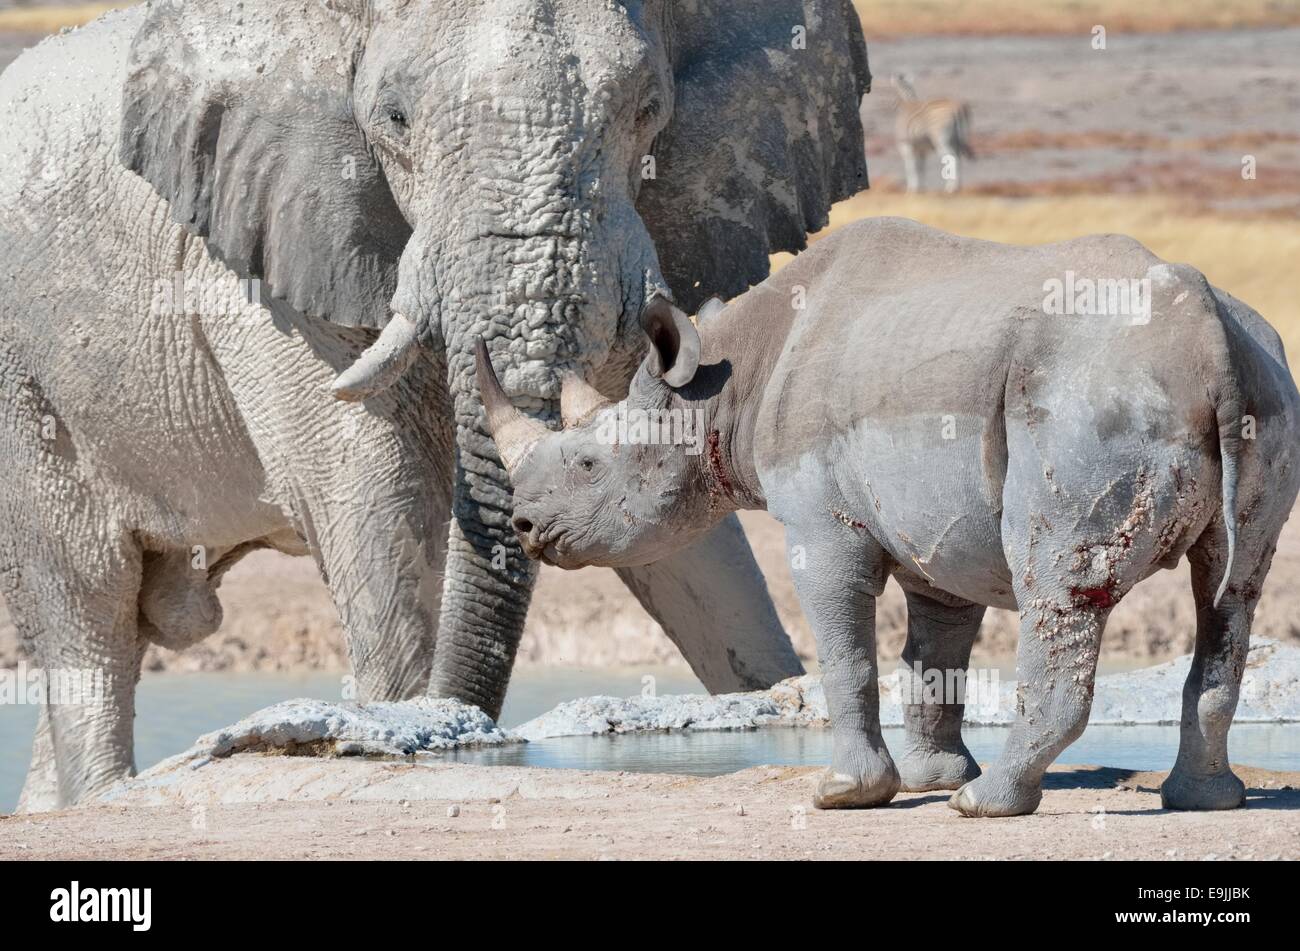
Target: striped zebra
x,y
941,125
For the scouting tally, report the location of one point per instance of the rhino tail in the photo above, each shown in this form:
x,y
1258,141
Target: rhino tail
x,y
1229,454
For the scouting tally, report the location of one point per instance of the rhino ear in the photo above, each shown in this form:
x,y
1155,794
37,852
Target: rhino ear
x,y
240,115
674,342
765,136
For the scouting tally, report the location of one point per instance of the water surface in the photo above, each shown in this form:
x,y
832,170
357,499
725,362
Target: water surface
x,y
174,709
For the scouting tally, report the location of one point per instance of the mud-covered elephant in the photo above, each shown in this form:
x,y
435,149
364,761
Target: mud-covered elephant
x,y
248,248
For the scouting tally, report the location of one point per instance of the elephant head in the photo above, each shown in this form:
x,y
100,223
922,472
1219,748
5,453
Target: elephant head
x,y
527,171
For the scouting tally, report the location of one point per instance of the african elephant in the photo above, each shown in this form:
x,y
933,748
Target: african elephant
x,y
248,248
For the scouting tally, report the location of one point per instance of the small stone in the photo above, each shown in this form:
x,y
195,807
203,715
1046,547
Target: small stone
x,y
453,812
740,810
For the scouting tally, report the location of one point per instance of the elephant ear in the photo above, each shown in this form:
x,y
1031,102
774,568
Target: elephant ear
x,y
240,115
765,137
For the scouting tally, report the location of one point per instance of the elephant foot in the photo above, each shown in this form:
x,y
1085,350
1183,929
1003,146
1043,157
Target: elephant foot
x,y
989,796
925,770
860,789
1186,790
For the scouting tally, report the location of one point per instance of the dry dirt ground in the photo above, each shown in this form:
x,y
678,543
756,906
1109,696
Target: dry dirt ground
x,y
760,813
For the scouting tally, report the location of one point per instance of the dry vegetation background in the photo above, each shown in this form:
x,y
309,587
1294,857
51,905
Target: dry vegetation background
x,y
892,18
1145,138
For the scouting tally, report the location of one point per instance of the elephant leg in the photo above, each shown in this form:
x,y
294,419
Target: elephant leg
x,y
41,788
77,607
841,607
366,486
70,575
940,633
382,559
712,601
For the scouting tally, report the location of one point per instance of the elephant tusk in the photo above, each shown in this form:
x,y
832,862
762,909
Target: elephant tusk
x,y
513,432
381,365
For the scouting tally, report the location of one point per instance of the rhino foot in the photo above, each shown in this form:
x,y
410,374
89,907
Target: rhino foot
x,y
925,770
1188,791
859,790
989,796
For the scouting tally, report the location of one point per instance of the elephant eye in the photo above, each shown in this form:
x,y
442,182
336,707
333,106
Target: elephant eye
x,y
397,117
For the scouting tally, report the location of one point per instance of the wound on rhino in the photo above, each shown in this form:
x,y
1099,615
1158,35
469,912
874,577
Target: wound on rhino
x,y
923,416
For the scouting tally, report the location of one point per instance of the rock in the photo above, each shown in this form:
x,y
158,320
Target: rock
x,y
323,728
784,703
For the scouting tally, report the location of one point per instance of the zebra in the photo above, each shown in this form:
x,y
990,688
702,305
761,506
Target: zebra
x,y
939,124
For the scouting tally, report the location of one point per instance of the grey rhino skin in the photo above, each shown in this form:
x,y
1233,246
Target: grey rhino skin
x,y
401,177
907,404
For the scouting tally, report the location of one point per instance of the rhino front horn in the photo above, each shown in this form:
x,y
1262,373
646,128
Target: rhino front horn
x,y
514,433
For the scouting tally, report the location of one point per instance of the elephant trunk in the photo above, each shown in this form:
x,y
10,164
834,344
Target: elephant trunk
x,y
489,580
541,303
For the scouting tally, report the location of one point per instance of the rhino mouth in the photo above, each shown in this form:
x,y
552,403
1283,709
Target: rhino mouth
x,y
549,547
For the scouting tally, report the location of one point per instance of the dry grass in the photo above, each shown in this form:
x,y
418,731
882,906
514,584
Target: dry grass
x,y
1254,259
886,18
50,19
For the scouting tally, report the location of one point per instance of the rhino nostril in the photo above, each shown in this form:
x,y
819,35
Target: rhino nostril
x,y
521,525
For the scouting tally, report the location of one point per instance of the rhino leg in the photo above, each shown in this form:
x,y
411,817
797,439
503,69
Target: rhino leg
x,y
1056,664
838,579
1201,777
941,630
